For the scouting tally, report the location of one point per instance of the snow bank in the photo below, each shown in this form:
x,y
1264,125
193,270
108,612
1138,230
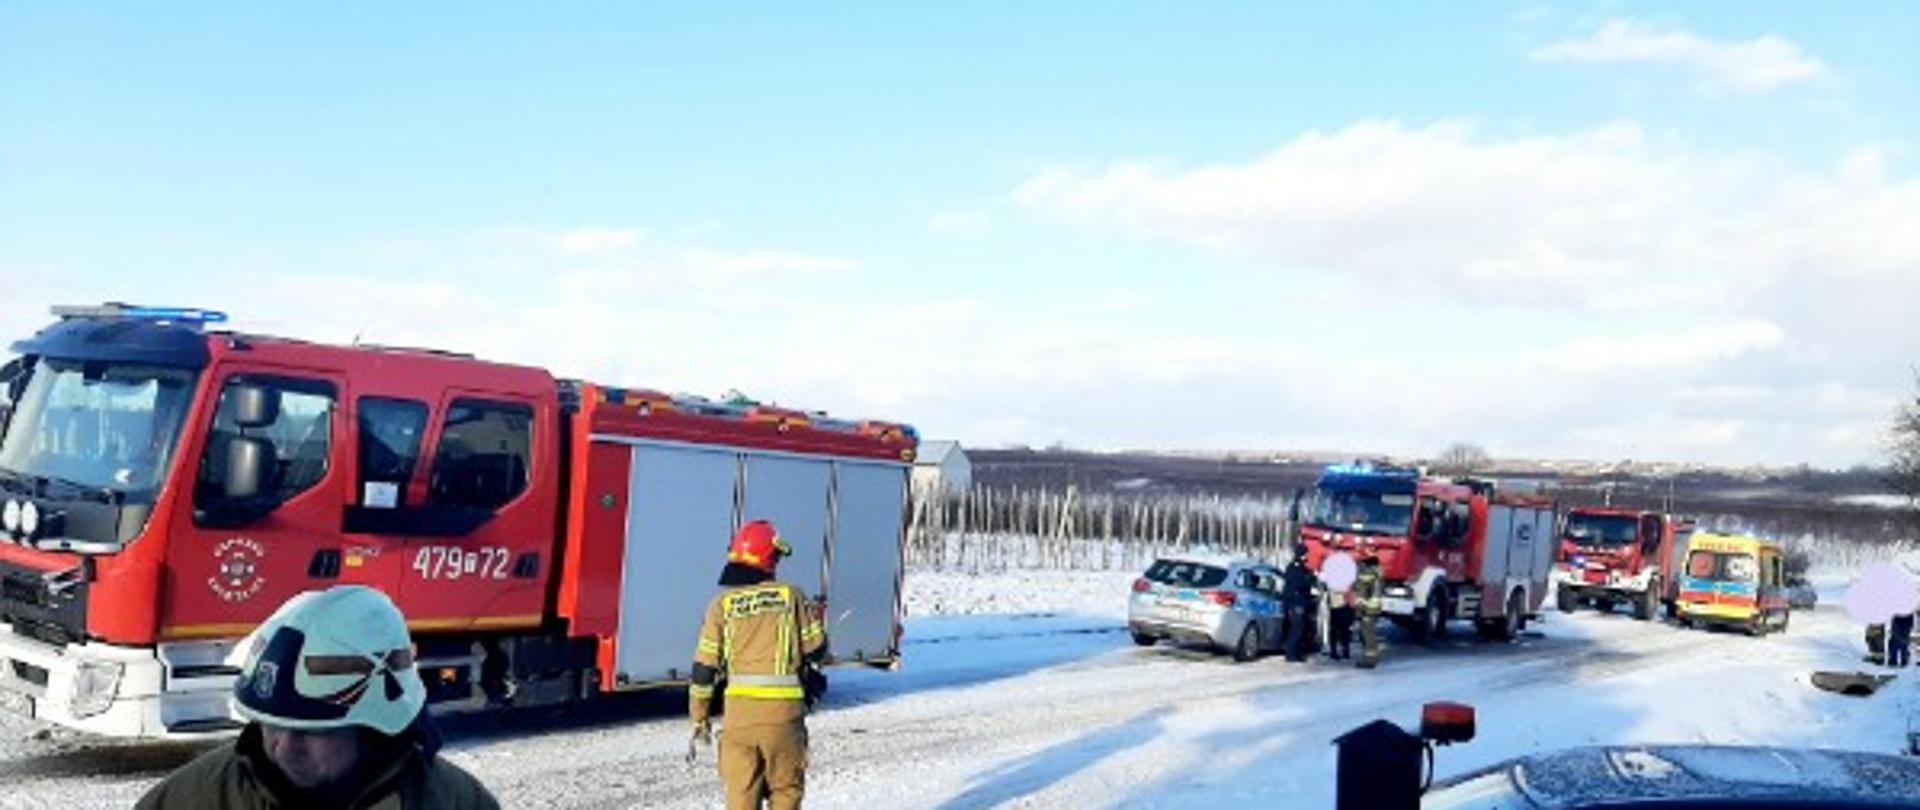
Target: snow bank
x,y
943,593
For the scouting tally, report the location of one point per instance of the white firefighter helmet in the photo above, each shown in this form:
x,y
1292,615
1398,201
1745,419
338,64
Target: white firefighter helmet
x,y
332,659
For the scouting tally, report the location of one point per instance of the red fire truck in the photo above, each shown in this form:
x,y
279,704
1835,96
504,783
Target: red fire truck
x,y
1610,556
165,485
1448,549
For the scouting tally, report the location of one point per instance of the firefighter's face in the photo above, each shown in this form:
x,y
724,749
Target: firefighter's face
x,y
312,760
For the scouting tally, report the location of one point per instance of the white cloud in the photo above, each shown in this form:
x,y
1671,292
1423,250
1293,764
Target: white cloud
x,y
1690,347
1571,283
596,240
1606,217
1754,67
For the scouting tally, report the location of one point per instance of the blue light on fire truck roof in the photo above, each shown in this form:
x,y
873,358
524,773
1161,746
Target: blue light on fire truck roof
x,y
185,315
1365,468
175,314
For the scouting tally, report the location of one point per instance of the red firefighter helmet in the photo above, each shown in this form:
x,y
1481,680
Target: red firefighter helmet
x,y
758,545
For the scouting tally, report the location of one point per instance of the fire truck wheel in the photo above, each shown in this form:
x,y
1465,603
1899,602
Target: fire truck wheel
x,y
1566,599
1645,606
1516,619
1143,639
1430,622
1249,646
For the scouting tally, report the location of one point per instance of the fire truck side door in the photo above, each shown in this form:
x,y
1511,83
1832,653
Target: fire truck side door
x,y
232,561
1430,525
1650,533
493,459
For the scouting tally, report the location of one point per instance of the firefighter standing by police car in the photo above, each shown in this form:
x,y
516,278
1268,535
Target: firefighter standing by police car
x,y
763,641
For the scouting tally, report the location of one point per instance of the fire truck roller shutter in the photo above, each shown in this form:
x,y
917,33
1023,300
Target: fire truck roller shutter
x,y
1498,560
680,514
792,493
869,507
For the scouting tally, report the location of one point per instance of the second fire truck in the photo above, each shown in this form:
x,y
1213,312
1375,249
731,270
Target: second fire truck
x,y
1448,549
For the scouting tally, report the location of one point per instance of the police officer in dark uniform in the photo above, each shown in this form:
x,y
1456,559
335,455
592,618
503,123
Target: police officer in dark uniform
x,y
1297,599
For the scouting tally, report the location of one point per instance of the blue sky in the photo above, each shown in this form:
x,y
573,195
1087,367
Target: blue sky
x,y
1113,226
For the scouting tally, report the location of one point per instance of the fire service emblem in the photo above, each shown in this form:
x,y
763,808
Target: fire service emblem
x,y
236,576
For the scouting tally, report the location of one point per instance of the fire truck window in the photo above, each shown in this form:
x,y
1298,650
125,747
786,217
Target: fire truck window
x,y
301,435
390,431
484,453
1650,531
1431,524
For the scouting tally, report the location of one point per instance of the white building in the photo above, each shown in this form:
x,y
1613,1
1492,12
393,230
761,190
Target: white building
x,y
942,466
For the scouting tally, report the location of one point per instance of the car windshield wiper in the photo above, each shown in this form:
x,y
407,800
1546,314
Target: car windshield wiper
x,y
14,482
33,485
88,492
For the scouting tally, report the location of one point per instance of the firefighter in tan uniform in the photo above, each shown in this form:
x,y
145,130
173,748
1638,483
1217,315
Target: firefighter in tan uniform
x,y
761,641
1366,595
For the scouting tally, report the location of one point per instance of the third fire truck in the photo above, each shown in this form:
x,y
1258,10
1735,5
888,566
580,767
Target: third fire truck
x,y
1614,556
1448,549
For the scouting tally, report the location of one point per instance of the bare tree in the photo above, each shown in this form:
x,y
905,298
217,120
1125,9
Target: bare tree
x,y
1462,458
1905,469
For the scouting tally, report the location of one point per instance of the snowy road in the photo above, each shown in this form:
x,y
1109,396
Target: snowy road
x,y
1060,709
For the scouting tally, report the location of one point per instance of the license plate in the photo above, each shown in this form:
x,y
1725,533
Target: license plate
x,y
16,704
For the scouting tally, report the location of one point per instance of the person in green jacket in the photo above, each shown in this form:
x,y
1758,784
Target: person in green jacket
x,y
1366,597
336,717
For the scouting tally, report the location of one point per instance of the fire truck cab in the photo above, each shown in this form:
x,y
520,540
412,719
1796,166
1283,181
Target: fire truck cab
x,y
1609,556
1447,549
163,488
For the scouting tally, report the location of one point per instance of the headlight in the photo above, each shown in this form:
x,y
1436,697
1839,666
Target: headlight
x,y
10,516
1399,590
29,519
95,685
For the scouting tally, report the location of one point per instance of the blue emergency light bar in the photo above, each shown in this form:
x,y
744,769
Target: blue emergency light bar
x,y
182,315
1367,468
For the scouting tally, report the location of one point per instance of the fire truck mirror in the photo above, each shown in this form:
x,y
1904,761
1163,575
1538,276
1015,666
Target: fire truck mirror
x,y
247,461
254,406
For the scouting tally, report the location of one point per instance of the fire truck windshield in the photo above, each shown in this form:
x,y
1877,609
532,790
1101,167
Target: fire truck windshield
x,y
1601,530
1361,511
97,426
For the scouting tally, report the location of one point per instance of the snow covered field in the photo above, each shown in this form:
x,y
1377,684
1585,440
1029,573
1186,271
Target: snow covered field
x,y
1022,689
